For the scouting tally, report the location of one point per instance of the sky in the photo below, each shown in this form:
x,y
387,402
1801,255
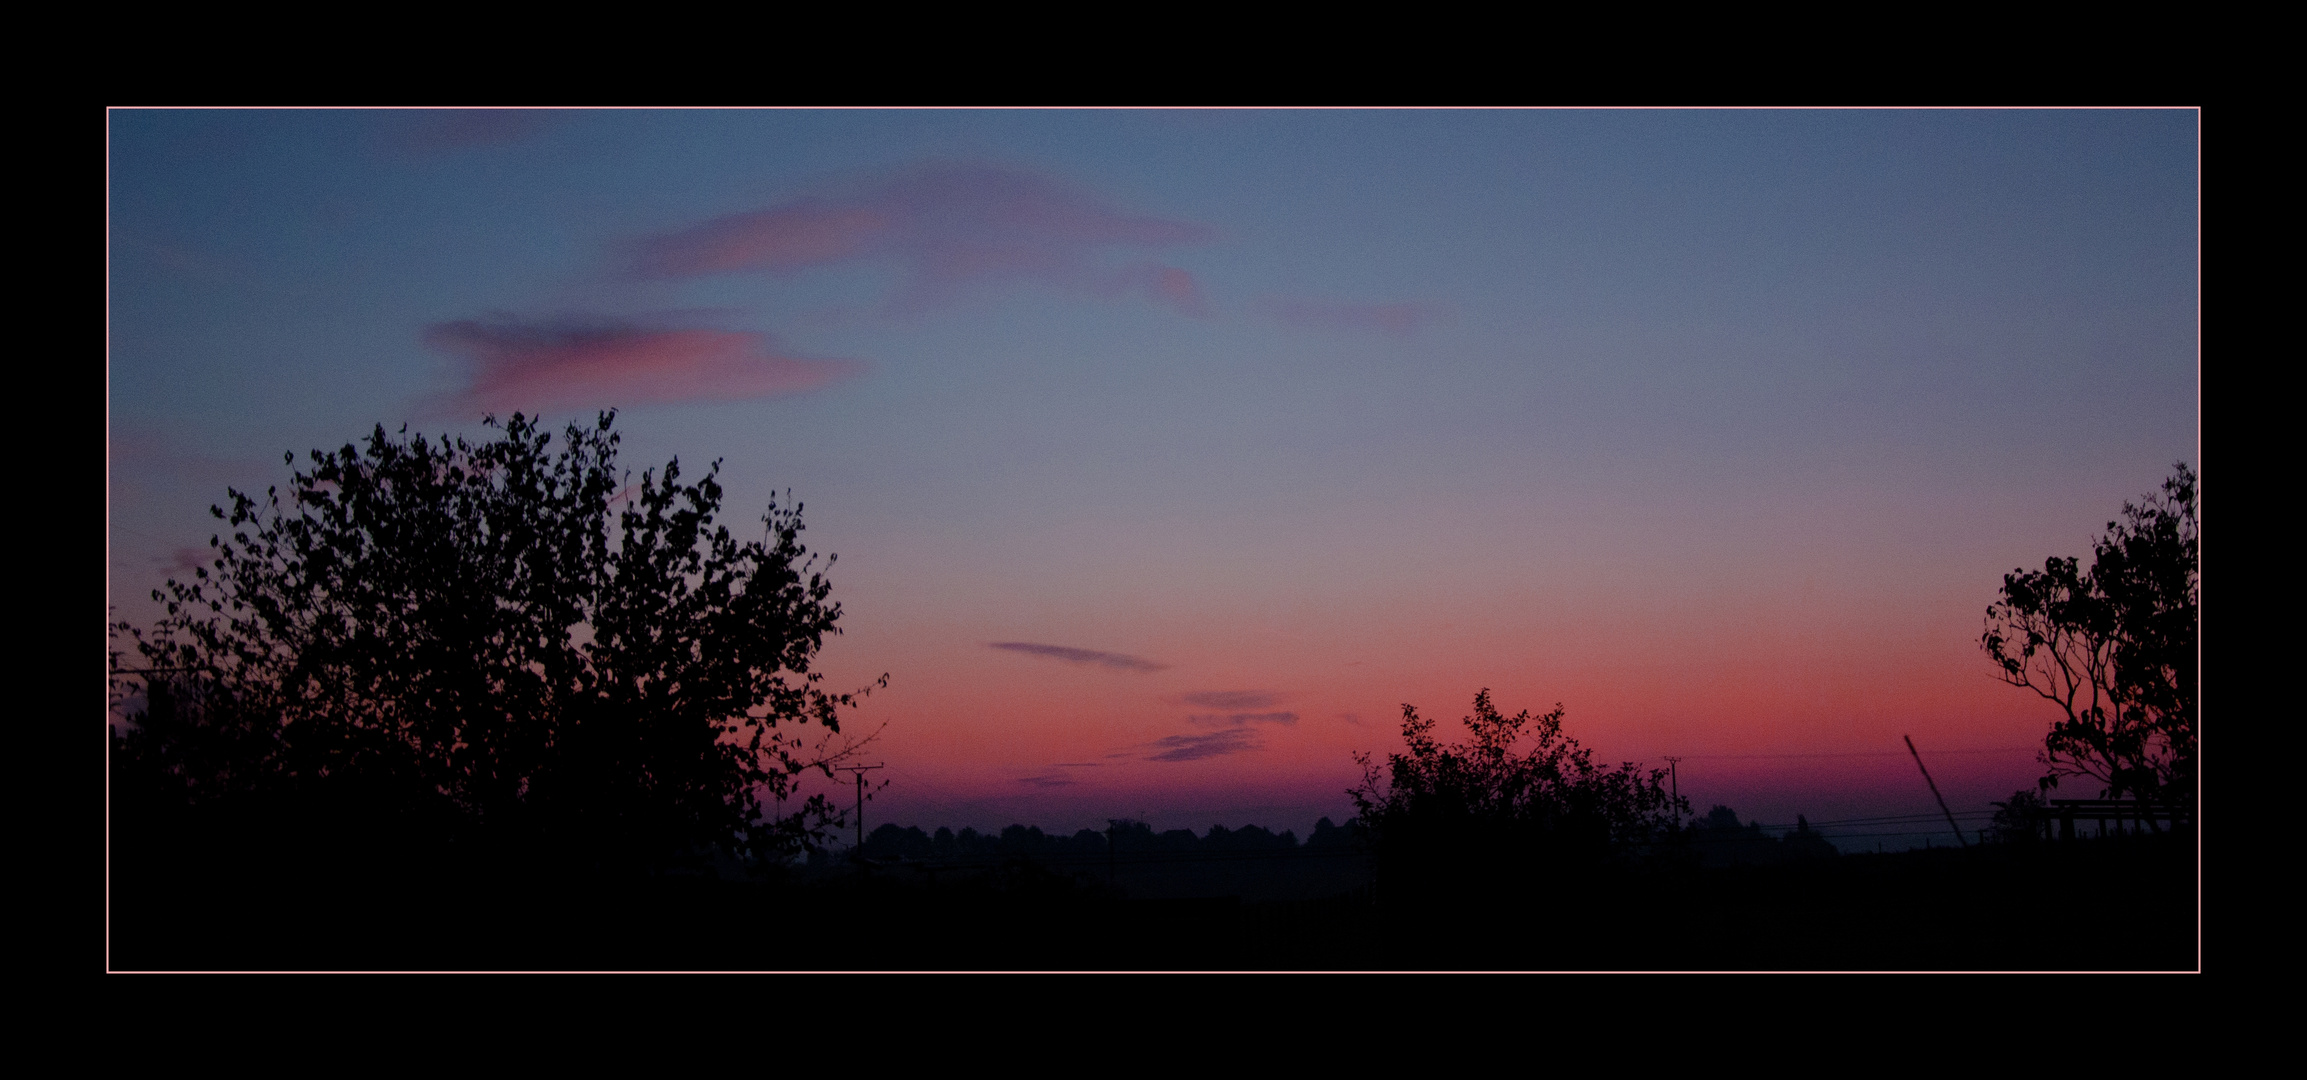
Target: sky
x,y
1169,454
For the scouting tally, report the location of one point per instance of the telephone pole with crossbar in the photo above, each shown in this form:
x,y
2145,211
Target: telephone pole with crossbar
x,y
859,772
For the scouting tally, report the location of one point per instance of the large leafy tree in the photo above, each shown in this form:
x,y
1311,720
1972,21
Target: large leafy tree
x,y
507,640
2115,647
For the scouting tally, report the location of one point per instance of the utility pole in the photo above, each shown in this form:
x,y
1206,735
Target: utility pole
x,y
1674,776
859,772
1935,792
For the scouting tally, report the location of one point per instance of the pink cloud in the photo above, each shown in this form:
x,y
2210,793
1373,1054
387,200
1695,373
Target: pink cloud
x,y
946,226
1166,285
516,365
781,239
1397,318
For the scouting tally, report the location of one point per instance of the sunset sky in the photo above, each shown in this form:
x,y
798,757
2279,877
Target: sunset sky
x,y
1168,454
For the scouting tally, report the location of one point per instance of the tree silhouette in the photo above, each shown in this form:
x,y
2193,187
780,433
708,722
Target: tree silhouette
x,y
2115,647
453,635
1719,840
2022,820
1440,810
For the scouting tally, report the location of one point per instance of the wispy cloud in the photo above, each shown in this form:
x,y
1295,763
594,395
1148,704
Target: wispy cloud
x,y
1243,707
781,239
1233,699
1241,718
515,364
1233,740
1053,780
1116,661
1398,318
945,226
1235,732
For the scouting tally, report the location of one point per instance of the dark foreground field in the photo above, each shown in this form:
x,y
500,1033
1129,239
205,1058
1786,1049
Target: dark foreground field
x,y
2125,904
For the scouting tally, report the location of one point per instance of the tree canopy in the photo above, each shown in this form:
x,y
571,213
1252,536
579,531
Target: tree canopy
x,y
506,638
2115,647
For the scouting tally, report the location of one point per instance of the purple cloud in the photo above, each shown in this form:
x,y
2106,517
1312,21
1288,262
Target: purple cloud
x,y
1233,740
946,226
584,363
1116,661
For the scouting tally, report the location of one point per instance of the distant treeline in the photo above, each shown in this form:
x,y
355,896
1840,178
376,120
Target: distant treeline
x,y
1718,839
1123,837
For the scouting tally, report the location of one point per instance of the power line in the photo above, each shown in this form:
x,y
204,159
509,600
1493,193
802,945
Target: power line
x,y
1861,823
1848,754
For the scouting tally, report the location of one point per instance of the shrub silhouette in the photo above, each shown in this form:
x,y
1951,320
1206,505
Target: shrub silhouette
x,y
1483,815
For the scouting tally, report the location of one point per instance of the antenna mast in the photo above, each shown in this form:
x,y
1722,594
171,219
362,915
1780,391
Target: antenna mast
x,y
1935,791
